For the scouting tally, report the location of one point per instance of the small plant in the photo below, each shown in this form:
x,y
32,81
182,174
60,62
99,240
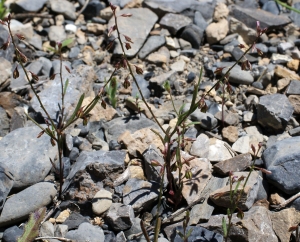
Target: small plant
x,y
31,230
3,9
55,130
186,234
287,6
111,91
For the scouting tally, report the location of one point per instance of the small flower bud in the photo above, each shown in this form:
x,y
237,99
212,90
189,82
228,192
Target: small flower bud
x,y
52,141
155,163
22,57
126,83
110,45
20,36
40,134
127,46
167,87
188,174
113,7
34,76
103,104
246,65
68,69
241,46
253,148
111,29
126,15
259,52
5,45
171,192
52,76
218,71
16,73
139,70
128,38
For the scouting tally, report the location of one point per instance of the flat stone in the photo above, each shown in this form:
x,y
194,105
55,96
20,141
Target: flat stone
x,y
87,231
193,34
248,196
178,66
280,59
27,6
230,118
293,88
200,146
230,133
266,19
152,44
201,212
28,159
283,83
283,72
239,76
274,111
140,194
174,22
18,207
295,101
293,64
7,182
242,145
143,19
217,31
238,27
237,163
218,151
282,159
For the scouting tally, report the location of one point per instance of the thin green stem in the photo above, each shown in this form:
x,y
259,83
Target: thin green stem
x,y
288,6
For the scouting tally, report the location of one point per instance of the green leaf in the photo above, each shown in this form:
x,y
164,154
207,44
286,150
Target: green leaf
x,y
181,108
188,234
66,86
75,110
66,42
88,109
180,234
236,187
192,123
224,226
158,134
31,230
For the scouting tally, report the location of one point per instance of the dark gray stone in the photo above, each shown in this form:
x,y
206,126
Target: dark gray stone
x,y
12,234
46,66
93,9
9,52
293,88
143,21
193,34
27,6
120,217
75,220
18,207
200,21
152,44
143,84
87,232
32,156
272,7
174,22
198,234
74,52
283,160
239,76
106,162
6,183
296,16
63,7
274,111
266,19
140,194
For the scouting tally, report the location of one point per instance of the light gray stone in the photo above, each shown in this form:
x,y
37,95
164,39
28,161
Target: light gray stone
x,y
87,232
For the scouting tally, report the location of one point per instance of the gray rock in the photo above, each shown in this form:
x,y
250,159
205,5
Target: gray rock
x,y
6,184
238,76
255,226
193,34
207,120
105,162
293,88
47,229
93,9
282,159
5,70
200,146
174,22
101,202
230,118
9,52
266,19
143,21
27,5
135,229
79,83
75,220
202,211
295,16
57,33
87,232
120,216
4,122
140,194
200,21
18,207
272,7
143,84
274,111
152,44
117,126
248,196
282,47
28,159
47,66
61,230
12,234
63,7
198,234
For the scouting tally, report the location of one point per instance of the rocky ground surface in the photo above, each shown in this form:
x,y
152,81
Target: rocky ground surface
x,y
110,185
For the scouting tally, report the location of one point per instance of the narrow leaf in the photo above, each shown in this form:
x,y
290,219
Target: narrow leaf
x,y
224,227
66,86
76,110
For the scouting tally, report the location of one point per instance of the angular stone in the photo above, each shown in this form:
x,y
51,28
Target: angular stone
x,y
282,72
293,88
143,19
27,6
218,151
237,163
274,111
217,31
174,22
140,194
230,118
18,207
248,34
242,145
282,159
120,216
152,44
105,164
7,182
295,101
230,133
193,34
200,146
28,159
87,232
266,19
221,197
63,7
202,211
255,226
